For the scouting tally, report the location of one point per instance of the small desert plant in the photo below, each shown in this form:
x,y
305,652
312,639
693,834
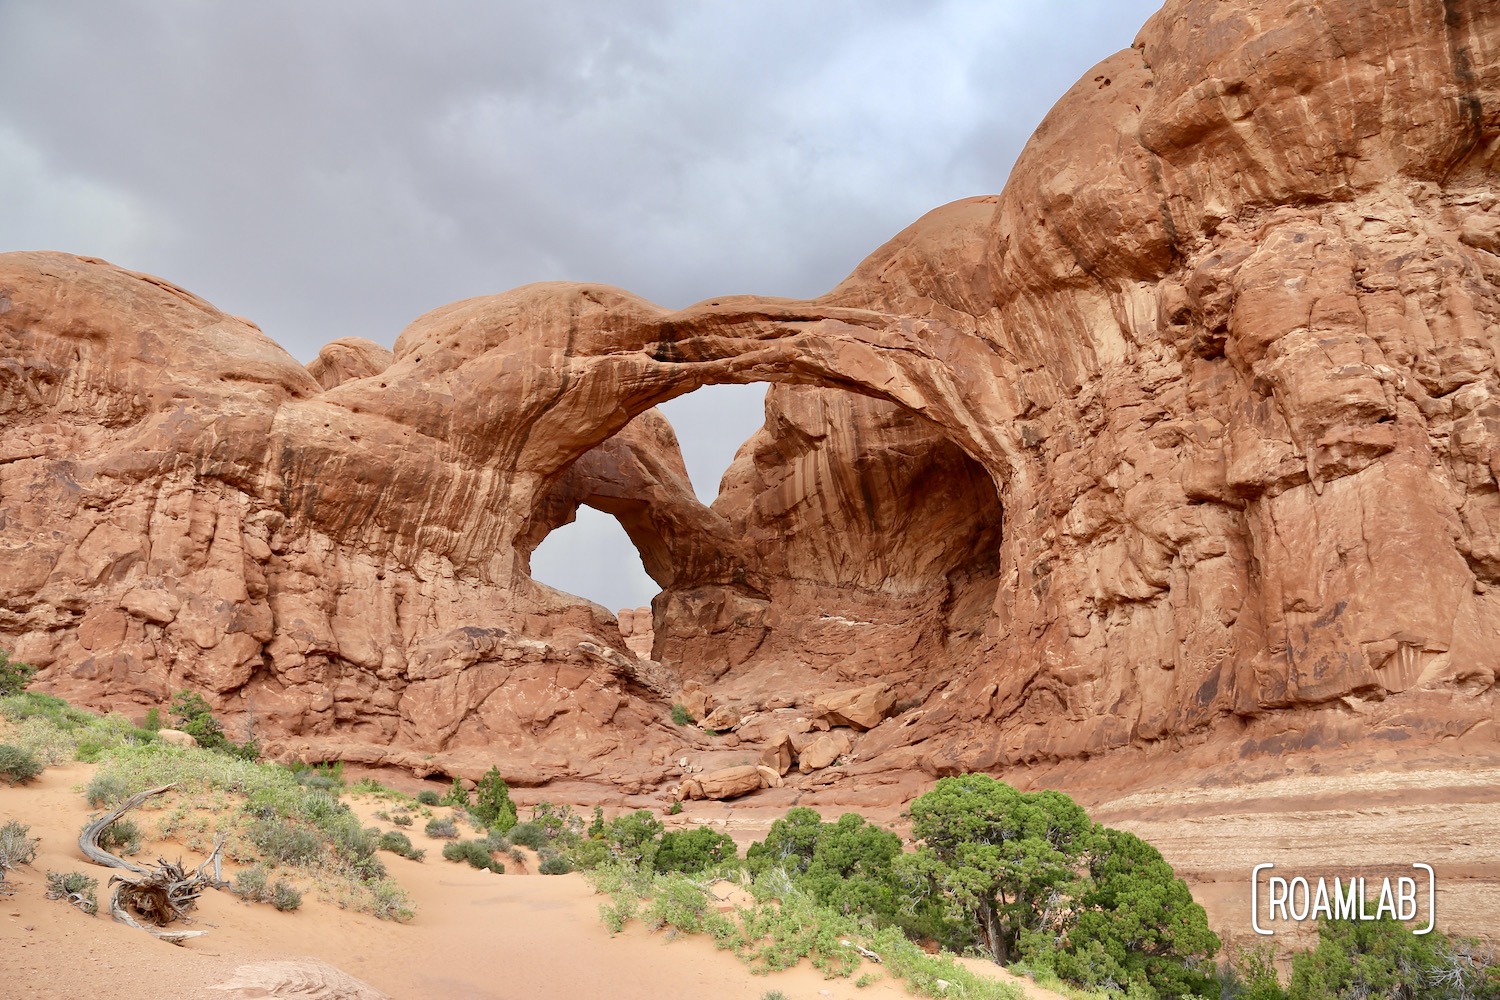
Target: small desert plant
x,y
383,816
106,789
475,853
16,848
528,835
458,796
14,676
428,797
400,843
401,819
75,887
675,809
555,866
18,765
388,901
44,741
285,896
442,829
285,841
680,716
253,883
122,837
195,716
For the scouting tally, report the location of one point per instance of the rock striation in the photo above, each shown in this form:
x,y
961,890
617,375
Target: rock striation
x,y
1190,430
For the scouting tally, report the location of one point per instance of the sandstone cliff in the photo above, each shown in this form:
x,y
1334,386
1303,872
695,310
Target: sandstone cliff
x,y
1190,431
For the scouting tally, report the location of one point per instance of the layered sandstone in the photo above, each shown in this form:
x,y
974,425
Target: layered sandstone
x,y
1194,425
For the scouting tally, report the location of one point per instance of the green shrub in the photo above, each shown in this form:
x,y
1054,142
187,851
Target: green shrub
x,y
695,850
428,797
678,902
121,837
14,675
401,819
106,789
253,883
586,855
285,896
555,865
16,847
922,972
36,705
17,765
492,804
635,837
44,741
475,852
457,796
388,901
74,887
286,841
442,829
680,716
194,716
1100,906
559,823
528,835
399,843
1382,958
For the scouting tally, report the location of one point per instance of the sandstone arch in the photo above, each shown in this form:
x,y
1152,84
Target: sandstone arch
x,y
1225,346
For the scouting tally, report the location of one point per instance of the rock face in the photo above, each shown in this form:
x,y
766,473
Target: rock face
x,y
1195,423
636,630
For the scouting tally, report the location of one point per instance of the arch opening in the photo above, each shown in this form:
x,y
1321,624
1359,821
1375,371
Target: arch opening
x,y
592,557
852,540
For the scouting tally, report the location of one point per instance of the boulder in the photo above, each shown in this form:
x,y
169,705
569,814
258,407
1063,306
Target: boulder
x,y
779,754
823,751
722,719
861,709
726,783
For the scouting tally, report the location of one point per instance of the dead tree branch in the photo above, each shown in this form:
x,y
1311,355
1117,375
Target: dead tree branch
x,y
160,894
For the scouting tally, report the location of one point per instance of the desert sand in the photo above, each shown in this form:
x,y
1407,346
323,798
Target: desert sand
x,y
481,935
476,936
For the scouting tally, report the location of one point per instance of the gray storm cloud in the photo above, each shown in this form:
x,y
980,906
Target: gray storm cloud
x,y
336,169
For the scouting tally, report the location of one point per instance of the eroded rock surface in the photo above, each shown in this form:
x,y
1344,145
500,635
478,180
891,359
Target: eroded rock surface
x,y
1196,423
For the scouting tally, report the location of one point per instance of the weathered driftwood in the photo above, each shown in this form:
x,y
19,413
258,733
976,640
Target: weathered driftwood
x,y
161,894
867,953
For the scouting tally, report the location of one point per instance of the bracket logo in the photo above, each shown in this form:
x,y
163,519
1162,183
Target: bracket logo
x,y
1276,898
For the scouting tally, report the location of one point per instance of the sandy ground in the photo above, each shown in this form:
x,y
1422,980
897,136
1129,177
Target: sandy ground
x,y
480,935
477,935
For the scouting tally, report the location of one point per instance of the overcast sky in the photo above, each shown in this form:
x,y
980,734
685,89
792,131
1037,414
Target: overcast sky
x,y
338,168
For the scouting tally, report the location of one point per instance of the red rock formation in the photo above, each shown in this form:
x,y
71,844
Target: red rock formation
x,y
637,630
1224,351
